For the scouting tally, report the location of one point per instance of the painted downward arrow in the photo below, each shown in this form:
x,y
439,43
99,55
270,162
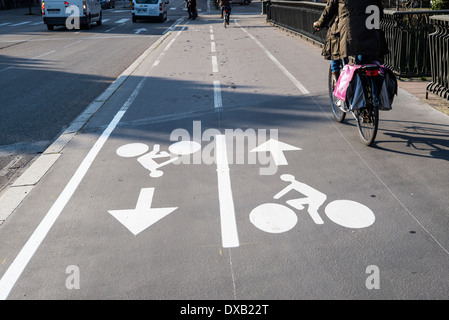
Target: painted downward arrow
x,y
143,216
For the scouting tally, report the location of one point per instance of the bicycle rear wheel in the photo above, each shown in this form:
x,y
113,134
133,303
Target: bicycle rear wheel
x,y
367,123
338,113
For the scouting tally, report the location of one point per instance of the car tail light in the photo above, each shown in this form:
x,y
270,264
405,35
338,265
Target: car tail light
x,y
66,3
43,8
85,8
160,6
132,6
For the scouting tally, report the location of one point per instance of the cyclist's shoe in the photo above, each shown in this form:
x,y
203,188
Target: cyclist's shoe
x,y
342,105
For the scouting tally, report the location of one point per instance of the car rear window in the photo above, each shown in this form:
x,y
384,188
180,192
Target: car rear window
x,y
147,1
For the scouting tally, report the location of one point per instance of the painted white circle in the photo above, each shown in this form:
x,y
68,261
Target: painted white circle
x,y
350,214
184,147
132,150
273,218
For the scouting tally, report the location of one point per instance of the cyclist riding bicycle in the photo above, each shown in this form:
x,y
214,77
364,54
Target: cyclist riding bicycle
x,y
225,4
356,33
191,6
351,33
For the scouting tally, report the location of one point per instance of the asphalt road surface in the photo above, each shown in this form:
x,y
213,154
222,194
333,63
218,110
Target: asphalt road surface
x,y
216,171
48,78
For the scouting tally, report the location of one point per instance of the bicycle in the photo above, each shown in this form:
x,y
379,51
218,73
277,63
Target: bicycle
x,y
367,116
226,14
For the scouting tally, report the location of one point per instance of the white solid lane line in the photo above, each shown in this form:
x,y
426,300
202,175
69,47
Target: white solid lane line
x,y
284,70
20,23
217,95
229,233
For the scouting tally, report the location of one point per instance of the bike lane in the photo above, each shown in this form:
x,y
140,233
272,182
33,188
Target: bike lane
x,y
263,222
393,179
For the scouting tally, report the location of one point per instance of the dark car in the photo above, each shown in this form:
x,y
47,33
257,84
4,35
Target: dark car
x,y
241,2
107,4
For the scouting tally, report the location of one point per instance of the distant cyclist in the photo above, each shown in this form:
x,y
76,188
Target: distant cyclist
x,y
225,4
191,6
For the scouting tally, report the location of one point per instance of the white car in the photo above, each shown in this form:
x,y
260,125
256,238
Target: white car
x,y
148,9
74,14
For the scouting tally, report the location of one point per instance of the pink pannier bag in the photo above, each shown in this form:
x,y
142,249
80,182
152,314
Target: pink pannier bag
x,y
343,81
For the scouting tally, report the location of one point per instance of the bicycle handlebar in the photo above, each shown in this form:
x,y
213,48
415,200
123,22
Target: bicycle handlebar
x,y
316,30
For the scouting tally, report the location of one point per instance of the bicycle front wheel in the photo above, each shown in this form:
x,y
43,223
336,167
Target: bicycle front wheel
x,y
367,123
338,113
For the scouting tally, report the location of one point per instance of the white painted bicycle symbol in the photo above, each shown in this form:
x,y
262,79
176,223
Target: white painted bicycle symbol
x,y
148,160
268,217
278,218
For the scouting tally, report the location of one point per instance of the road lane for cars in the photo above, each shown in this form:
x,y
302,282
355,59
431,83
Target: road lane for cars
x,y
48,78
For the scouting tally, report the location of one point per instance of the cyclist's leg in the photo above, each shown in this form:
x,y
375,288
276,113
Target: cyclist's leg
x,y
336,104
335,68
335,65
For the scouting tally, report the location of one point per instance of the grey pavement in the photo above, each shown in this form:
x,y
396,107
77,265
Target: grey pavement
x,y
131,210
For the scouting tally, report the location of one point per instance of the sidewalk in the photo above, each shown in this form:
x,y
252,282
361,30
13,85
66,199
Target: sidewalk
x,y
417,87
20,12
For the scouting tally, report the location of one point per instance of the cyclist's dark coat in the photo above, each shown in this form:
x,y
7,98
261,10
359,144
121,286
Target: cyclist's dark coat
x,y
349,35
224,3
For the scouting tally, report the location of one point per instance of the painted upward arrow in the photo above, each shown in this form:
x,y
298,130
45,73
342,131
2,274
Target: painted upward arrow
x,y
143,216
276,148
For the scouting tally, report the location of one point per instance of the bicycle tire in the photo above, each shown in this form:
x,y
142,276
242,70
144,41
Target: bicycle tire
x,y
339,115
367,123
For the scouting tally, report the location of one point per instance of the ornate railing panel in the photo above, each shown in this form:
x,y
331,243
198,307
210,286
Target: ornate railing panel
x,y
439,57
